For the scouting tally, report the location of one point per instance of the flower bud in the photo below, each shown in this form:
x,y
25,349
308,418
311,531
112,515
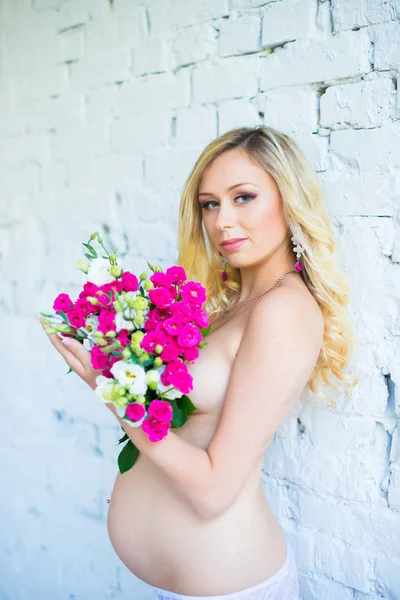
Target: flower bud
x,y
93,236
99,239
202,344
158,269
139,352
158,349
63,327
158,362
119,390
92,300
121,401
118,306
137,336
138,319
117,344
142,275
126,353
140,399
115,271
112,257
50,330
129,301
83,265
140,303
108,391
148,285
101,342
111,334
152,376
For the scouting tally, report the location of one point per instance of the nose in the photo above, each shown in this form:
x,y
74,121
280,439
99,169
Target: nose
x,y
225,217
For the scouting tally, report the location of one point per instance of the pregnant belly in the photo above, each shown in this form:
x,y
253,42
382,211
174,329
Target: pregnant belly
x,y
164,543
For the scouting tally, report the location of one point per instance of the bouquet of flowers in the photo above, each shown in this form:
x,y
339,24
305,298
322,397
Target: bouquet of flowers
x,y
141,332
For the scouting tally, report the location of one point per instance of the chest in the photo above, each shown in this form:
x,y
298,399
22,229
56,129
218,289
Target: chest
x,y
211,371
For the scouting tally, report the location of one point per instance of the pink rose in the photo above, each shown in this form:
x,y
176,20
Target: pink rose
x,y
107,372
193,292
191,354
170,352
172,326
107,321
176,274
89,289
99,359
160,410
135,411
160,279
189,336
124,337
161,297
130,282
154,429
201,319
171,367
85,307
183,381
77,319
152,339
181,310
63,302
150,324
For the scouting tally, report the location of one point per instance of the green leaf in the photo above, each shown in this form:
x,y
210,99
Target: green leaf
x,y
142,291
127,457
185,404
64,317
46,315
88,256
123,439
179,416
148,363
68,372
204,332
91,250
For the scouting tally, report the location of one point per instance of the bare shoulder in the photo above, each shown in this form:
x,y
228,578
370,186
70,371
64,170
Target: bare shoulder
x,y
292,306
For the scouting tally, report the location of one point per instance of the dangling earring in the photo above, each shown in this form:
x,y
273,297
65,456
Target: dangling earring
x,y
298,248
224,276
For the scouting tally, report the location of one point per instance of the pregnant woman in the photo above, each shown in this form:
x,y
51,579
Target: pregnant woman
x,y
191,517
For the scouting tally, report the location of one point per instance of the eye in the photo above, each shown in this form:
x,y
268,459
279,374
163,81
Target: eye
x,y
206,205
245,196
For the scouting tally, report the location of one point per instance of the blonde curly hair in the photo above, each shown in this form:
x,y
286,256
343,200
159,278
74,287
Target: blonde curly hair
x,y
304,209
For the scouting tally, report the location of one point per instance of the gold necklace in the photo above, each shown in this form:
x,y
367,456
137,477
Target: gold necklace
x,y
253,299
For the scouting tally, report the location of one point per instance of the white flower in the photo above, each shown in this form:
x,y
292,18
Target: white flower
x,y
173,393
99,271
130,373
104,388
122,323
92,323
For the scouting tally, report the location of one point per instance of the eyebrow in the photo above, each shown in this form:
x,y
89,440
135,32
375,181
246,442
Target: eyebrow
x,y
229,188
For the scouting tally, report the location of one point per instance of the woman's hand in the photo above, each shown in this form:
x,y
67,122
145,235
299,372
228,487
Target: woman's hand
x,y
76,356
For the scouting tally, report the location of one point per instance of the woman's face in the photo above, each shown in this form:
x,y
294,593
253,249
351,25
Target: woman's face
x,y
240,200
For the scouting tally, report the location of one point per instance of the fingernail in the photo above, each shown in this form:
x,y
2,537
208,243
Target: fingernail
x,y
66,341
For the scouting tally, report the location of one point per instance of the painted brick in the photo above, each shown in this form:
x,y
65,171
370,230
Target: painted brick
x,y
104,111
234,78
360,13
240,36
320,59
364,104
288,20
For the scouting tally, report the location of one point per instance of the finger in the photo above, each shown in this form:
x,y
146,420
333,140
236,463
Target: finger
x,y
67,355
79,351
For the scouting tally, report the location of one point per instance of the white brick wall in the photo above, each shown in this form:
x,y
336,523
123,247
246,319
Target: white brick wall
x,y
102,114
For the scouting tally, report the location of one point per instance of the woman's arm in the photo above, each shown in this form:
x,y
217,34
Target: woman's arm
x,y
276,357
